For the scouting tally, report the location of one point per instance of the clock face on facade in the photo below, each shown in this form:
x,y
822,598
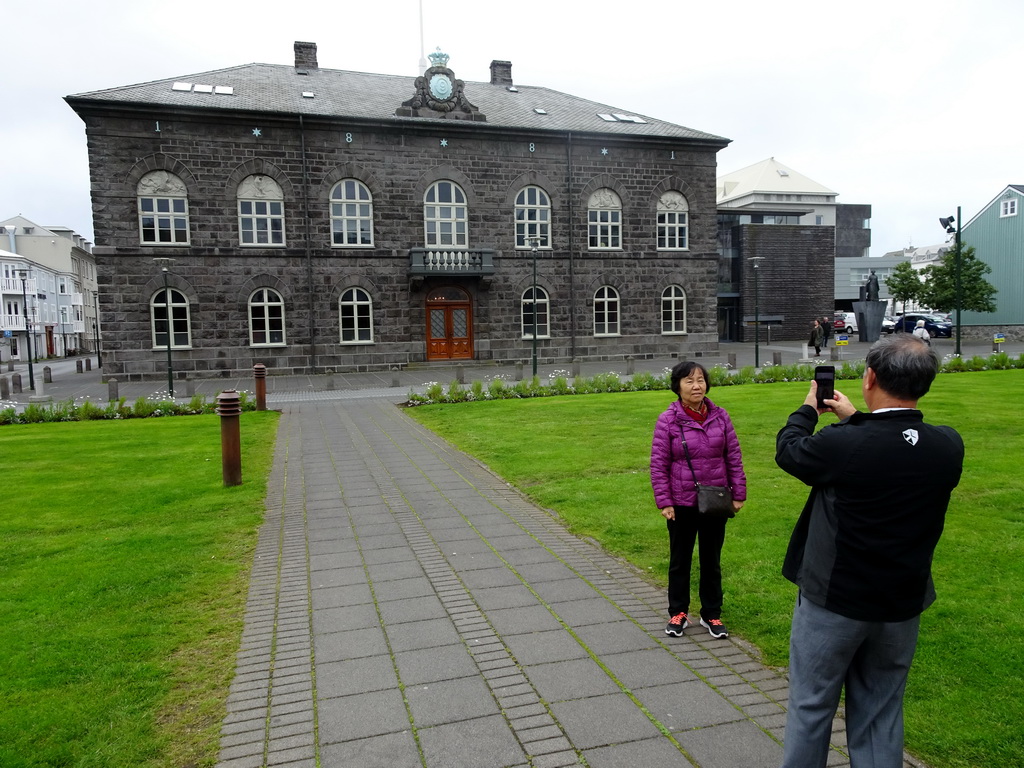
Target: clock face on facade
x,y
441,87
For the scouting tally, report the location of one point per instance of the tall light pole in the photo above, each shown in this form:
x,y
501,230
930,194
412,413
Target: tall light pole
x,y
164,264
947,224
23,274
533,248
96,330
757,309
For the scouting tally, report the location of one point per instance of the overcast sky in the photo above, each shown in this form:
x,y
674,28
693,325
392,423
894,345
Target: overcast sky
x,y
912,106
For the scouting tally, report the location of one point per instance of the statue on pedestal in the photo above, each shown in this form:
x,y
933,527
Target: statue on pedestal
x,y
872,287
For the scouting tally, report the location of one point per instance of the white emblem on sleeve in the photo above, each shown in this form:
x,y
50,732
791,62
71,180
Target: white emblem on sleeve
x,y
910,436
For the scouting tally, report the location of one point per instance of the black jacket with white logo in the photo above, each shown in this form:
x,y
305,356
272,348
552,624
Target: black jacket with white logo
x,y
880,486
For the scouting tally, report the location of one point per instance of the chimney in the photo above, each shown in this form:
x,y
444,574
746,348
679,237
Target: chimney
x,y
305,55
501,73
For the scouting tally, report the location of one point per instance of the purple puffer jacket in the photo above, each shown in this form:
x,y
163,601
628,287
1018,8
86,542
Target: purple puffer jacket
x,y
714,452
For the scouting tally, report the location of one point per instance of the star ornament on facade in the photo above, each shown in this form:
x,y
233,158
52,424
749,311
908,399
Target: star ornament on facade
x,y
257,132
444,142
604,151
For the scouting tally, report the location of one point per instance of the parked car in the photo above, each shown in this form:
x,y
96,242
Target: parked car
x,y
888,324
936,325
845,322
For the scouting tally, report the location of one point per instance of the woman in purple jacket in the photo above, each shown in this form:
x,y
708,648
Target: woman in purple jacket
x,y
715,454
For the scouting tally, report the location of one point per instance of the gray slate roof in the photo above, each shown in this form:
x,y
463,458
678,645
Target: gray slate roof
x,y
278,89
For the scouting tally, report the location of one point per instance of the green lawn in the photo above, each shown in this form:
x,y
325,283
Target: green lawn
x,y
587,457
123,575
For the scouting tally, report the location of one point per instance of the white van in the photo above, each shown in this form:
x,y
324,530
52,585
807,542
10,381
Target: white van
x,y
845,322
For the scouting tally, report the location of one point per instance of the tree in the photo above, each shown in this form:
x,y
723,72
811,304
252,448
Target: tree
x,y
939,290
904,284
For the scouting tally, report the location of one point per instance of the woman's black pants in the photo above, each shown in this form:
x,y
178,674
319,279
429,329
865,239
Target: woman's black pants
x,y
708,532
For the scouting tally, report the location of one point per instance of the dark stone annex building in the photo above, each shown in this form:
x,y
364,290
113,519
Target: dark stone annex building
x,y
319,220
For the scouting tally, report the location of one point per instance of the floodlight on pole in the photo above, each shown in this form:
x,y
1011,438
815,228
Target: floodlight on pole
x,y
947,224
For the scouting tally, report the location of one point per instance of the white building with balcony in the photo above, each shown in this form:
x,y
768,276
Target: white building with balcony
x,y
58,299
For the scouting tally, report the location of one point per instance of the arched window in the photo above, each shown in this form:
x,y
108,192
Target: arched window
x,y
540,307
351,215
260,211
673,223
445,216
604,221
606,311
356,312
163,209
266,318
673,310
533,218
180,322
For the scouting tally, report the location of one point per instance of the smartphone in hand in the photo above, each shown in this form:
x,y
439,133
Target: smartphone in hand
x,y
825,377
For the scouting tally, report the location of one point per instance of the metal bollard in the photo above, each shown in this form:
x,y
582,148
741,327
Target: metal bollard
x,y
629,365
88,364
190,388
576,368
833,353
47,375
394,377
229,407
16,383
78,366
259,372
10,366
732,361
776,358
5,389
112,395
460,373
519,370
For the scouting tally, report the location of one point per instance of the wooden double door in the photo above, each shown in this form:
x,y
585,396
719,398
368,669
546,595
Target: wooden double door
x,y
449,324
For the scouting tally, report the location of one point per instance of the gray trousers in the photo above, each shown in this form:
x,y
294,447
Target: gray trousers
x,y
872,659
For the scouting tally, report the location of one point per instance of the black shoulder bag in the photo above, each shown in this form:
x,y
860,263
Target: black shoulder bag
x,y
713,500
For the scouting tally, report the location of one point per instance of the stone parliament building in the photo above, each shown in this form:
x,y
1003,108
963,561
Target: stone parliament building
x,y
319,220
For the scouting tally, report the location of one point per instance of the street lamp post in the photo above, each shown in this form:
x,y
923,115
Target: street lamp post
x,y
165,263
757,309
96,331
533,248
957,288
23,274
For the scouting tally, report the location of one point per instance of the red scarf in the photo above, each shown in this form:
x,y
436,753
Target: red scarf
x,y
697,416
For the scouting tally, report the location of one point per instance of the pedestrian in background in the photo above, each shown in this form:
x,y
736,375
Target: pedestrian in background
x,y
694,441
816,337
861,553
826,332
922,333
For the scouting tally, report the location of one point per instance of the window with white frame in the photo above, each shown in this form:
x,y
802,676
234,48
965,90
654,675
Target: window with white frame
x,y
445,216
535,313
180,322
266,318
1008,207
260,211
673,310
533,218
351,215
606,311
673,222
163,209
356,313
604,221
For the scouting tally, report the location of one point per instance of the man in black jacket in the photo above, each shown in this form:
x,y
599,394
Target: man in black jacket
x,y
861,553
